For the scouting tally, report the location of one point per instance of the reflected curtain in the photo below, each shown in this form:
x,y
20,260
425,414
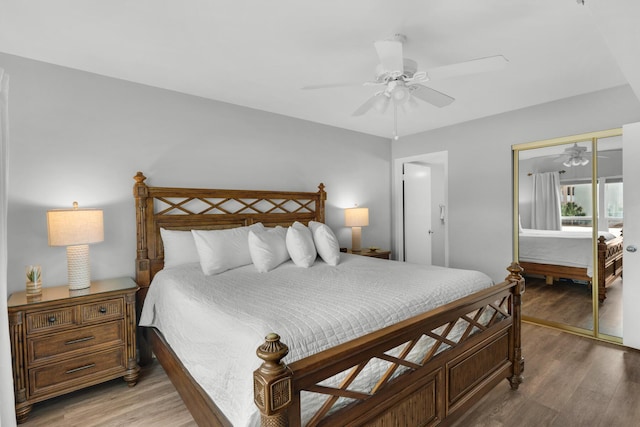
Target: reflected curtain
x,y
7,408
545,206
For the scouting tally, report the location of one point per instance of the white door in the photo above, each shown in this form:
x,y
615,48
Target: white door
x,y
631,233
417,213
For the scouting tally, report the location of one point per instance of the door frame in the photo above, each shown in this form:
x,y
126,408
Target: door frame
x,y
440,158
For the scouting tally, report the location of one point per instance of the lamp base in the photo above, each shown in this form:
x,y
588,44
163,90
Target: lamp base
x,y
356,238
78,268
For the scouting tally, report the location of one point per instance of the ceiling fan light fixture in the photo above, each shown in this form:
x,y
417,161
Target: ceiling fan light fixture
x,y
400,94
576,160
382,103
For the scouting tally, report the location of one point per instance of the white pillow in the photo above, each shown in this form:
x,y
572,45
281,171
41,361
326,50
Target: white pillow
x,y
326,242
222,250
268,248
179,247
300,245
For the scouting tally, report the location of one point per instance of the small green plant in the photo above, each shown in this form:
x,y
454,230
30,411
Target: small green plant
x,y
33,274
572,209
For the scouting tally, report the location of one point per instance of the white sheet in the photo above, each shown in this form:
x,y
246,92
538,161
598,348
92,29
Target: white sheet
x,y
311,309
568,248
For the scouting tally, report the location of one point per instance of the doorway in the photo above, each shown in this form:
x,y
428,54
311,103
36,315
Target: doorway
x,y
416,197
418,226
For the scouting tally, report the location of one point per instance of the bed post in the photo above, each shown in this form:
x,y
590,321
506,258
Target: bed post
x,y
143,267
515,276
272,386
140,193
602,269
321,199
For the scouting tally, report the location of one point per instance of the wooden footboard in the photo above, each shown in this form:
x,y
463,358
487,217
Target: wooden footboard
x,y
609,267
609,263
450,376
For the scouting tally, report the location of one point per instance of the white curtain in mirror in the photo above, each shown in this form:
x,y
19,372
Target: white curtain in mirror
x,y
7,409
545,206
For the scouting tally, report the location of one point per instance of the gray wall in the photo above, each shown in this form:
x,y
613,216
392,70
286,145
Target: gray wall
x,y
480,167
80,136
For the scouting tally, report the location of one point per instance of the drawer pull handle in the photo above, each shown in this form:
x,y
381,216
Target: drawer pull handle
x,y
79,340
102,310
52,319
81,368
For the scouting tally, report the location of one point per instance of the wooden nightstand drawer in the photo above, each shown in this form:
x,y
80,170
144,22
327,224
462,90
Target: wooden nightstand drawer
x,y
68,344
103,310
50,320
80,370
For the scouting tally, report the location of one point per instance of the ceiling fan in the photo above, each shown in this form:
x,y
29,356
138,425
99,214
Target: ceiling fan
x,y
576,155
401,83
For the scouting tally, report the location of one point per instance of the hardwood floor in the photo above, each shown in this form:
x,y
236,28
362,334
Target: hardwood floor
x,y
569,381
152,402
570,303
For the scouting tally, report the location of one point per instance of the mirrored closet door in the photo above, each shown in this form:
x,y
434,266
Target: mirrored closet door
x,y
568,217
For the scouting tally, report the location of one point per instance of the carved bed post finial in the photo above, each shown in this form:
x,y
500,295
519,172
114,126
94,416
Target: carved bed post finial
x,y
515,276
140,177
272,388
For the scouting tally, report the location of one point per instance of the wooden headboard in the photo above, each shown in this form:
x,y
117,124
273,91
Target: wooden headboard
x,y
210,209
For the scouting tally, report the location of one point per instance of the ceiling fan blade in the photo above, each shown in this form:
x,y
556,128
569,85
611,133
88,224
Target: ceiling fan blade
x,y
369,103
480,65
332,85
431,96
390,54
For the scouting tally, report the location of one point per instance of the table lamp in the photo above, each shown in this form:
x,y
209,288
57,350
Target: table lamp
x,y
76,229
356,218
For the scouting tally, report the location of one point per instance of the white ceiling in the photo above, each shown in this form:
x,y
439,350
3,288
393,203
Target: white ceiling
x,y
260,54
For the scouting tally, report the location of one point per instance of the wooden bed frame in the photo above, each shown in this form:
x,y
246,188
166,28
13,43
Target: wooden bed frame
x,y
609,267
452,376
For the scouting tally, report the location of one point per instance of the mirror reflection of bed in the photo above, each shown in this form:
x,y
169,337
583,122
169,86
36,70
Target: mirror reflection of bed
x,y
557,251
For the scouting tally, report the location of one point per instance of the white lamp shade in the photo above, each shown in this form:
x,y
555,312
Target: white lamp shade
x,y
68,227
356,217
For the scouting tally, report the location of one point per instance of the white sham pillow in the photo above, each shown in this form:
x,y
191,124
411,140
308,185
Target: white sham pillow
x,y
268,248
326,242
179,248
222,250
300,245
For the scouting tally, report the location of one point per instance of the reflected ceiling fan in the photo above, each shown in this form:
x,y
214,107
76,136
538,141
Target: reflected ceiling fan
x,y
576,155
401,83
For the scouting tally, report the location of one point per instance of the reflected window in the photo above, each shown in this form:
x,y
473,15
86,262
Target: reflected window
x,y
613,205
575,205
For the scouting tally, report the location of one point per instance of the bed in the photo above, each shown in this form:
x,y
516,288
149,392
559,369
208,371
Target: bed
x,y
426,369
559,254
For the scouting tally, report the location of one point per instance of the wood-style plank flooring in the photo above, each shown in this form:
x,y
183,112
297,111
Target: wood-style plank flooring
x,y
570,303
569,381
152,402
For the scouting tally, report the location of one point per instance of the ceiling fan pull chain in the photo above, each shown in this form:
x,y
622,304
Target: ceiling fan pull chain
x,y
395,122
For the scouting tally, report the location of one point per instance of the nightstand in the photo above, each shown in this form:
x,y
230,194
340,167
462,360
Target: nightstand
x,y
63,341
374,254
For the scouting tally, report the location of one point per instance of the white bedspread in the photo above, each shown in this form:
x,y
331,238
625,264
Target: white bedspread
x,y
568,248
215,323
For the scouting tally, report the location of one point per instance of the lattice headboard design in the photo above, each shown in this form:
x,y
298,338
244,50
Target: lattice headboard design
x,y
210,209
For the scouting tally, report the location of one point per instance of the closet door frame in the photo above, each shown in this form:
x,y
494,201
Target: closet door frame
x,y
593,137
